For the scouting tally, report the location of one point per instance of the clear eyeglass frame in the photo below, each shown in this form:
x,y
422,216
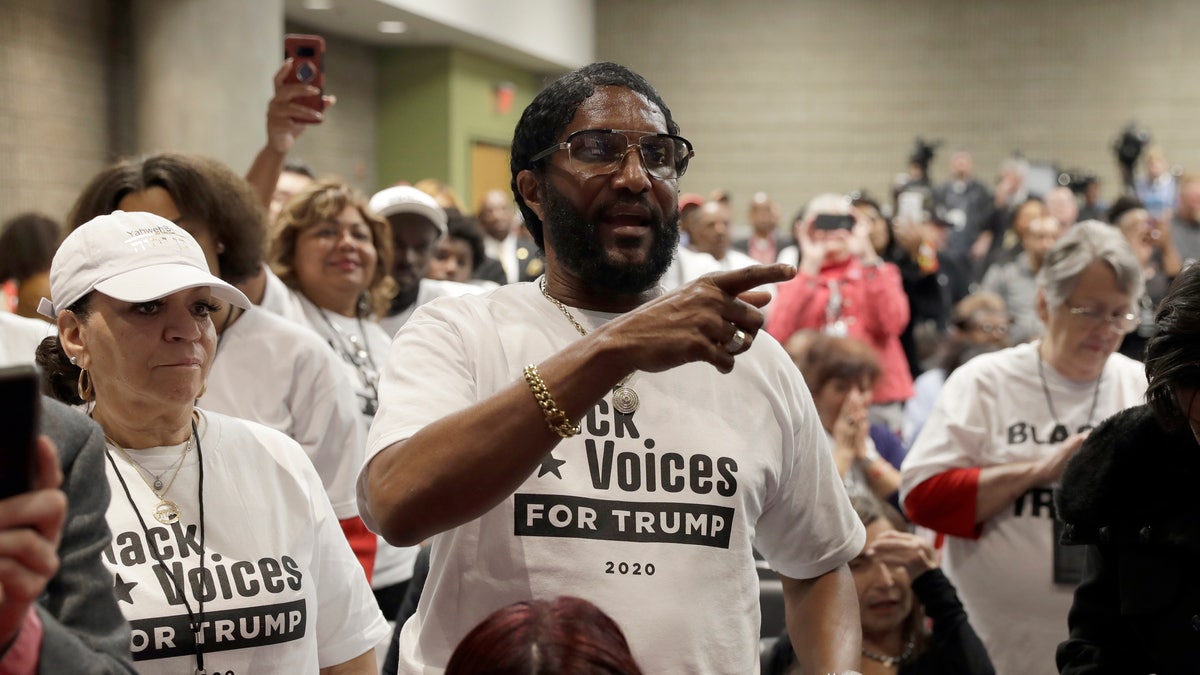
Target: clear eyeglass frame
x,y
665,157
1119,323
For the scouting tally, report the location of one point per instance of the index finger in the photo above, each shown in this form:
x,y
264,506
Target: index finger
x,y
735,282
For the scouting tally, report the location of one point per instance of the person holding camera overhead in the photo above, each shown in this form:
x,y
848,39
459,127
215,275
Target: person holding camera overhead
x,y
843,287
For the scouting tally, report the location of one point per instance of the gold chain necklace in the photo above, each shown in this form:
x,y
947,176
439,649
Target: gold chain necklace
x,y
165,511
624,398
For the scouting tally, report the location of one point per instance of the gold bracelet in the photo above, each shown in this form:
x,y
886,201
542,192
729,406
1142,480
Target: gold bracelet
x,y
556,419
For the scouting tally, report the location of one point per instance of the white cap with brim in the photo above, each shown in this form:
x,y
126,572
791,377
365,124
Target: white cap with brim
x,y
408,199
131,257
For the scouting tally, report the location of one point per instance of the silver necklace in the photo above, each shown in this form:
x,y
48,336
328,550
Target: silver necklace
x,y
1061,432
624,398
358,353
891,660
165,511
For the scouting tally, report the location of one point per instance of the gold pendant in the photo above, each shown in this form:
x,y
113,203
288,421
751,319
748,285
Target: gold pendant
x,y
166,512
625,400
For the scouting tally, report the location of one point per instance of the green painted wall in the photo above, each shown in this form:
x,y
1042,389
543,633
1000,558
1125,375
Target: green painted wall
x,y
433,104
413,115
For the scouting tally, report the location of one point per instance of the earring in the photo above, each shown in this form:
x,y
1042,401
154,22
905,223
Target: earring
x,y
220,247
84,386
203,388
74,360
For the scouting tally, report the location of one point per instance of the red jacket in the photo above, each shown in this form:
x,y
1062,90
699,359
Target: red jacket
x,y
874,309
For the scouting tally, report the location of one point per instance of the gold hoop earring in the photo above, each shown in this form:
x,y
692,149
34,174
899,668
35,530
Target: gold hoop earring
x,y
84,386
203,388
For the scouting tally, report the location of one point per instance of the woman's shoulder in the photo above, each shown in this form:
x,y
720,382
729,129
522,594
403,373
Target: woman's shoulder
x,y
253,442
1128,455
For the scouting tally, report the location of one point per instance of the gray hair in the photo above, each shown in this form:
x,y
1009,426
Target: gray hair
x,y
1083,244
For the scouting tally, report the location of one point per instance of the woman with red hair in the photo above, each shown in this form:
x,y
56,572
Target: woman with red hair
x,y
566,636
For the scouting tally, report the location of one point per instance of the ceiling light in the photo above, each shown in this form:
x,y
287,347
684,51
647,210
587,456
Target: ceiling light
x,y
318,4
392,27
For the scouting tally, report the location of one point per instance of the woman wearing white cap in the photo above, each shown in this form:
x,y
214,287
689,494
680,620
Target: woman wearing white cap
x,y
226,553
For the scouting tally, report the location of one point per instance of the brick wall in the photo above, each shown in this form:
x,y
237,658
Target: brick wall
x,y
56,129
799,97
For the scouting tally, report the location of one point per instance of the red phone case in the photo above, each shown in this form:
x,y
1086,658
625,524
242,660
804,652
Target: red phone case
x,y
308,66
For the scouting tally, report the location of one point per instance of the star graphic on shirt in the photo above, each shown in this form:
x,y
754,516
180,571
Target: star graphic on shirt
x,y
551,465
121,589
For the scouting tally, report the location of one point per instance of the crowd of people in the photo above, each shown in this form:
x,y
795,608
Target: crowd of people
x,y
554,435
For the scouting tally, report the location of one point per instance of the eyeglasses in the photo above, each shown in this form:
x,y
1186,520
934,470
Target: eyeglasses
x,y
598,152
1120,323
990,328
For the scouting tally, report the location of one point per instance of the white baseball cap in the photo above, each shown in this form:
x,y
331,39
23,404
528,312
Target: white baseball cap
x,y
132,257
408,199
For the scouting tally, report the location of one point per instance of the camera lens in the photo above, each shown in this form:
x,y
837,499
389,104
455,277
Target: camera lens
x,y
306,51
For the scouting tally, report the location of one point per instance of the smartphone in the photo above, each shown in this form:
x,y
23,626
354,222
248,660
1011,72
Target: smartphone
x,y
308,67
19,412
829,221
910,207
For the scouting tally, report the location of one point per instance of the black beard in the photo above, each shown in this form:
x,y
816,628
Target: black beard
x,y
578,247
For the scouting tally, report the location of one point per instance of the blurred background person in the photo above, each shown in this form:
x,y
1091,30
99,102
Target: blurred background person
x,y
443,194
982,469
765,241
1016,281
1156,187
966,204
456,255
980,324
564,636
844,288
901,592
1185,222
1063,206
1155,249
27,245
841,374
707,246
1134,611
518,257
417,224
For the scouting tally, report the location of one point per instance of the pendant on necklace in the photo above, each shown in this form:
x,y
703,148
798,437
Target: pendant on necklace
x,y
1059,434
158,484
624,399
166,511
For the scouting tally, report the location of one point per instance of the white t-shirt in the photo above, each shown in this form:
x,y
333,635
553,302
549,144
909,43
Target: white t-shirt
x,y
20,337
274,372
650,516
992,410
392,564
282,591
278,298
689,265
427,290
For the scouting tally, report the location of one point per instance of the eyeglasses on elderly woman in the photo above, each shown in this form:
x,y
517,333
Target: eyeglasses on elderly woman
x,y
1118,322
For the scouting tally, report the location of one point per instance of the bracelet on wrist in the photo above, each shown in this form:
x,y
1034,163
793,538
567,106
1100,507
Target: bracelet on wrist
x,y
556,419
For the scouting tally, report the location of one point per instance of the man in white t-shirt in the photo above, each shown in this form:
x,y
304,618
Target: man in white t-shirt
x,y
707,249
589,435
417,224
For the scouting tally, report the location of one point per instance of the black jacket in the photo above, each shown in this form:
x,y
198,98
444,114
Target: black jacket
x,y
1129,496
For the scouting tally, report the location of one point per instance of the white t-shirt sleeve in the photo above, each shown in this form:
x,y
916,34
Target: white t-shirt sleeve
x,y
326,423
426,376
349,623
808,526
957,430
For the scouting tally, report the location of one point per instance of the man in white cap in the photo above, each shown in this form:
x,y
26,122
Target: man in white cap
x,y
417,224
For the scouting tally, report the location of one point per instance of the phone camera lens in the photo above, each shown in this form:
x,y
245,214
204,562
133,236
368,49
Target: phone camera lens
x,y
306,72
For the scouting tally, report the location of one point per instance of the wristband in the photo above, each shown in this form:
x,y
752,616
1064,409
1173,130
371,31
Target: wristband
x,y
556,419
